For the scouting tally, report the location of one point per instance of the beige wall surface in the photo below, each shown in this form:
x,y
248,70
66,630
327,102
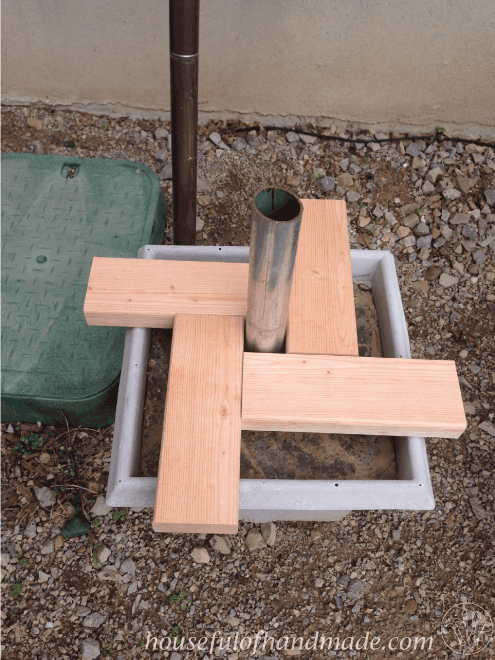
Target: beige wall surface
x,y
383,63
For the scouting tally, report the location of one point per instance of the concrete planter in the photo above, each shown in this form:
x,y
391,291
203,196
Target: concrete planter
x,y
262,500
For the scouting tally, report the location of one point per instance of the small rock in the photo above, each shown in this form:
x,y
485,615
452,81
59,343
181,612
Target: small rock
x,y
308,139
355,589
402,232
82,611
477,508
432,273
10,428
418,163
464,183
31,532
459,219
292,137
128,566
100,507
344,180
233,621
428,187
411,220
396,534
199,223
378,211
110,573
252,139
35,123
175,656
103,554
451,194
38,147
161,133
94,620
44,457
353,196
202,186
4,559
205,200
469,409
319,172
363,221
487,427
295,180
45,496
216,138
344,164
326,184
254,540
424,242
239,144
447,280
390,218
479,257
219,544
269,533
162,154
490,196
319,582
43,577
433,174
166,173
421,229
200,555
446,232
412,149
48,548
90,649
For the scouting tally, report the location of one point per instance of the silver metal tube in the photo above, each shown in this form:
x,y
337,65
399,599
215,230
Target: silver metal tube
x,y
275,224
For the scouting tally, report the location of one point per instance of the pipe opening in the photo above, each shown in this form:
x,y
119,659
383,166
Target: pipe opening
x,y
278,204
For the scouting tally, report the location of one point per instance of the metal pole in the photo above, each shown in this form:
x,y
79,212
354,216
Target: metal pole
x,y
184,47
275,224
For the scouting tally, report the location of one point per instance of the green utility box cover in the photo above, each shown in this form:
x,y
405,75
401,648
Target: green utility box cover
x,y
59,212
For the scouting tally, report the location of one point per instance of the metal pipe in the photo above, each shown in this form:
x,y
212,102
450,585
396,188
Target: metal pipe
x,y
275,224
184,47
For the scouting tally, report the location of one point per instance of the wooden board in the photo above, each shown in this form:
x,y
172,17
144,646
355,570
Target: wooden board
x,y
321,316
337,394
198,474
148,293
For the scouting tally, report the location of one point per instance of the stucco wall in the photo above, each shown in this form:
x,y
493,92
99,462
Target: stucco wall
x,y
389,63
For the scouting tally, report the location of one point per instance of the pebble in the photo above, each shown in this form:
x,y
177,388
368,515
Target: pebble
x,y
451,194
81,610
424,242
94,620
296,179
353,196
35,123
269,533
490,196
162,154
166,173
447,280
161,133
319,582
390,218
103,554
200,555
216,138
396,534
220,544
45,496
48,548
239,144
411,220
402,232
308,139
110,573
254,540
199,223
100,507
326,184
128,566
291,137
421,229
487,427
90,649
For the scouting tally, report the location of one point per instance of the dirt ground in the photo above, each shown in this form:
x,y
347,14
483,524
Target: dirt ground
x,y
405,577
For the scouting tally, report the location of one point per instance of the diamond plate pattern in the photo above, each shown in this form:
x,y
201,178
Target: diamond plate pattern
x,y
52,227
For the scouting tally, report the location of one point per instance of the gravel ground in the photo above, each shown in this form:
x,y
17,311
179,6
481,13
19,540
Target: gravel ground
x,y
391,574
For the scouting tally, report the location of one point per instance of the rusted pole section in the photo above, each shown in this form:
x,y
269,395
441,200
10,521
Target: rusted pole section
x,y
275,224
184,47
